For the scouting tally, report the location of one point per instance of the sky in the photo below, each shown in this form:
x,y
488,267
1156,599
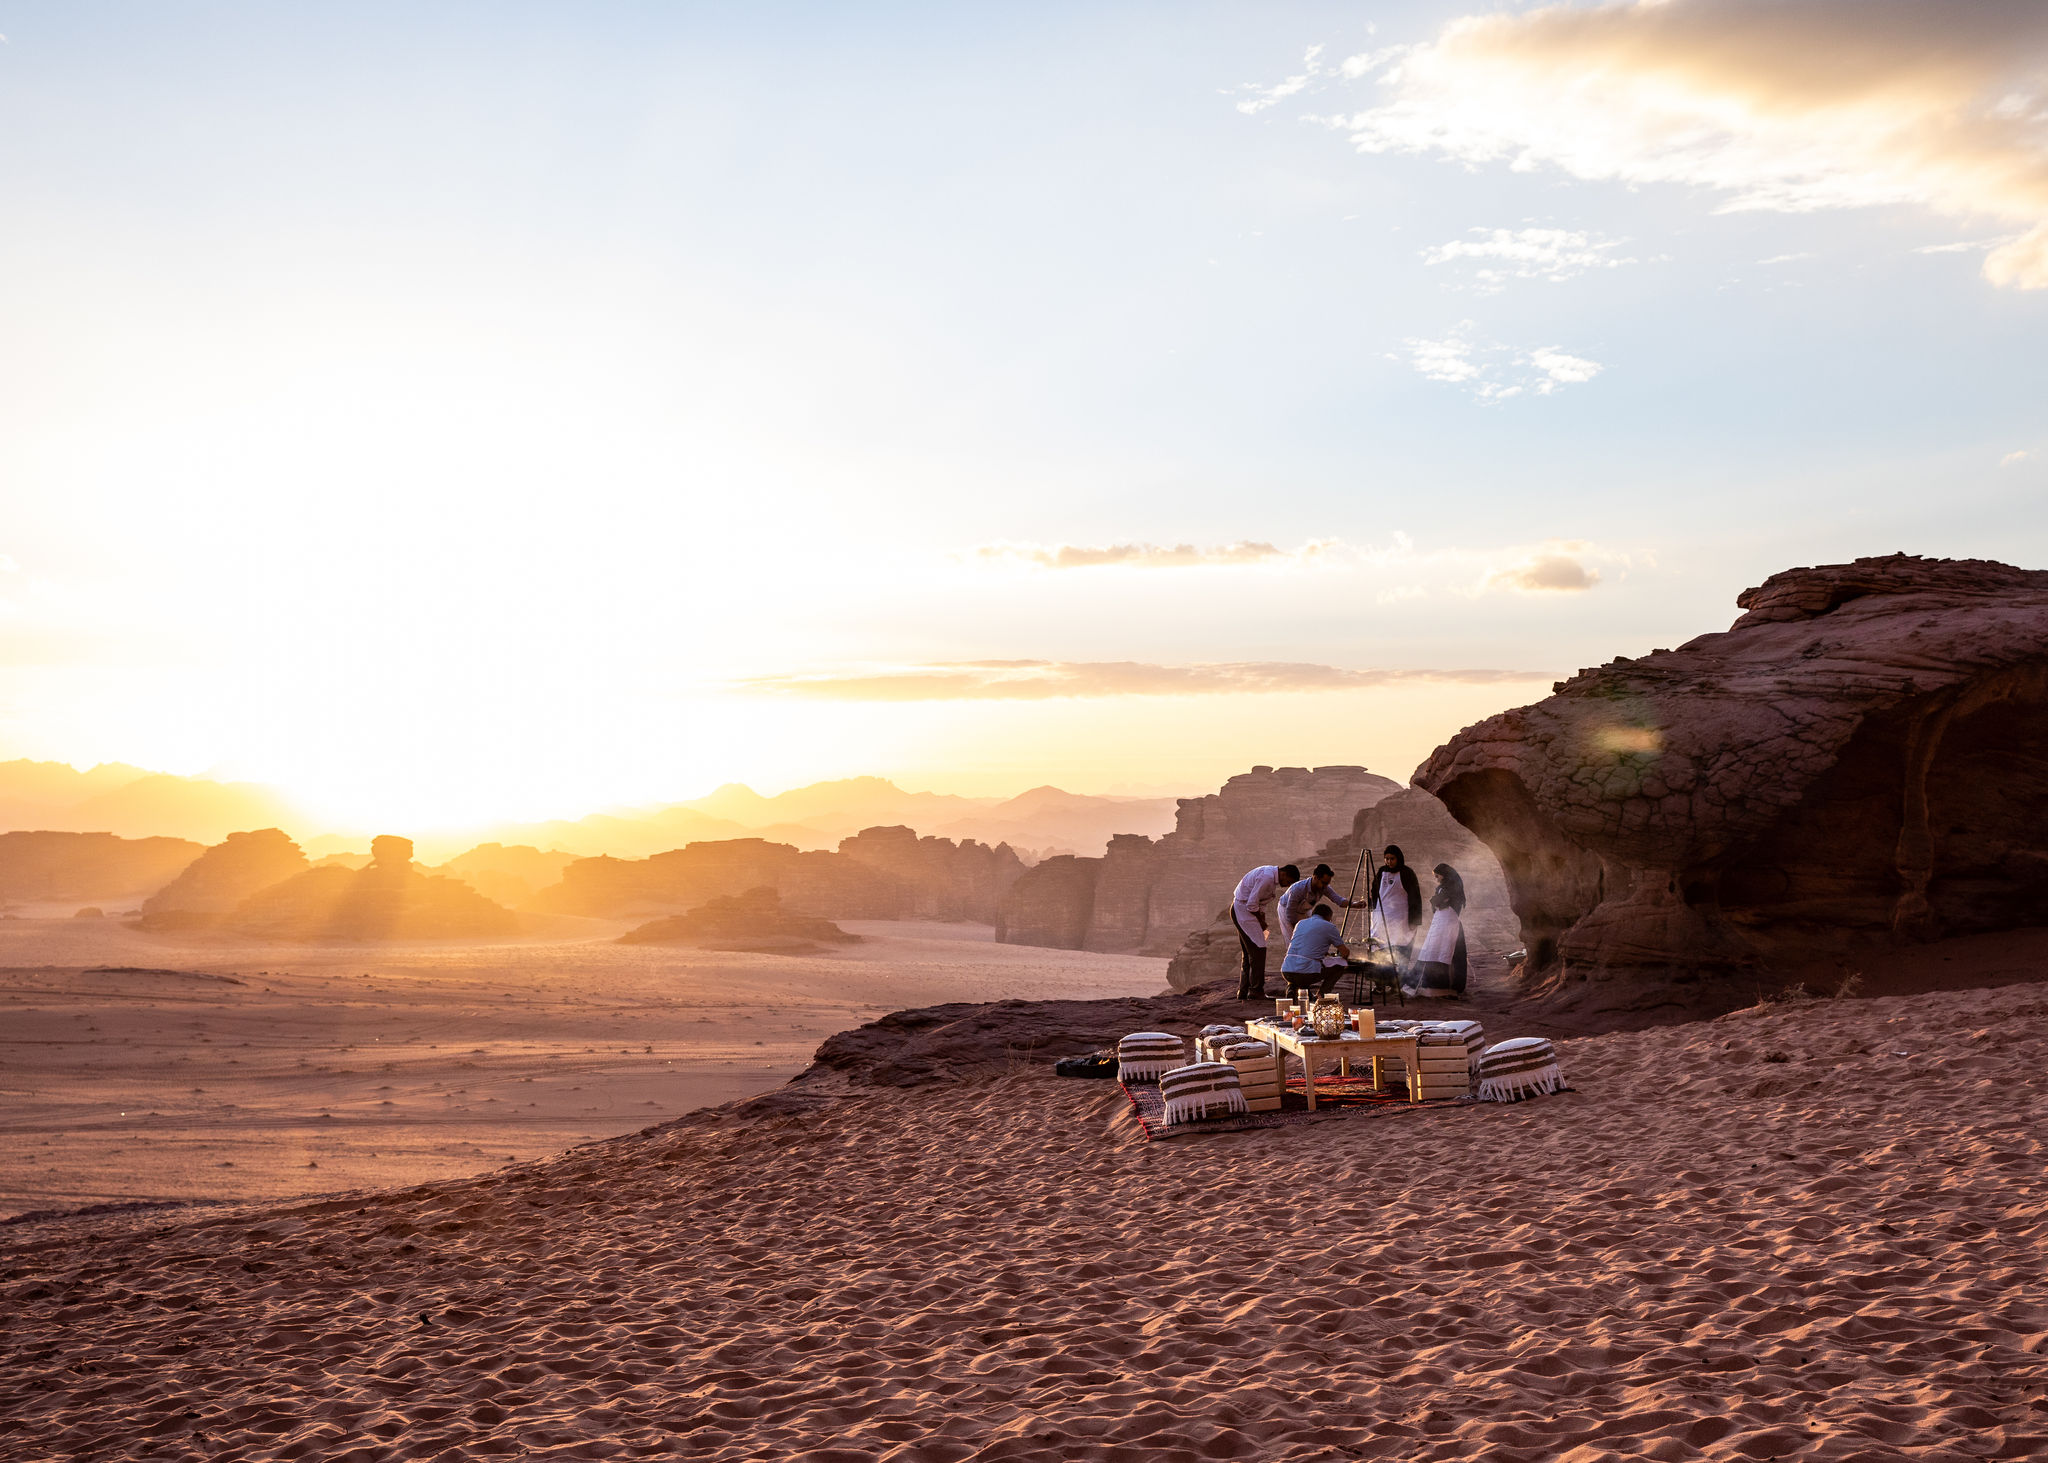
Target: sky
x,y
464,412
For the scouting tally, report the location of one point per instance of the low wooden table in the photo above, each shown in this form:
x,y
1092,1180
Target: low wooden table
x,y
1311,1049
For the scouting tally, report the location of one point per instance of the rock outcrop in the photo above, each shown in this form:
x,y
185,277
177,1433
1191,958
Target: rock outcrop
x,y
36,866
1147,896
1427,835
1051,904
214,885
754,921
879,873
942,879
510,874
386,900
1861,759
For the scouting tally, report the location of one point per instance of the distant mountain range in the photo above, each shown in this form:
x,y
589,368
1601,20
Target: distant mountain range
x,y
136,803
133,802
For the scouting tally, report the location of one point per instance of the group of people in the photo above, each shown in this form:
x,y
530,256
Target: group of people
x,y
1274,899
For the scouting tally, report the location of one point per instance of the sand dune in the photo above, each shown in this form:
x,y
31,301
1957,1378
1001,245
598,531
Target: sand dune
x,y
213,1069
1802,1232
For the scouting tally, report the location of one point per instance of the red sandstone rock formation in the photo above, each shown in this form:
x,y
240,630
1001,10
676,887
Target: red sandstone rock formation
x,y
1148,896
1427,835
1051,905
1861,759
879,873
217,882
387,900
943,879
73,866
754,921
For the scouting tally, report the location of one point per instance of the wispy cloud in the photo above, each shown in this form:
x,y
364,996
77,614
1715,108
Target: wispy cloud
x,y
1270,96
1042,680
2014,459
1499,255
1146,556
1547,573
1820,104
1400,569
1315,72
1495,372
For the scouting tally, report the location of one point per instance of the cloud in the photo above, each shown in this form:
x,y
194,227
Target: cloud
x,y
2013,459
1154,556
1814,105
1043,680
1398,569
1551,572
1315,74
1268,96
1494,372
1500,255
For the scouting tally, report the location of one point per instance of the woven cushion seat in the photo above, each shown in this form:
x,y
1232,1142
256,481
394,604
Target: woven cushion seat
x,y
1524,1067
1143,1055
1211,1038
1200,1090
1446,1033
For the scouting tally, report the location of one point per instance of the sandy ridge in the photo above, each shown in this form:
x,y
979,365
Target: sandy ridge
x,y
1703,1252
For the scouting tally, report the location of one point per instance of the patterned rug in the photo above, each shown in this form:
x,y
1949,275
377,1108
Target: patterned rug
x,y
1336,1097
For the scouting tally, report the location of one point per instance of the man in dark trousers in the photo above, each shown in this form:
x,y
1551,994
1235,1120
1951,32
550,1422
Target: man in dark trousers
x,y
1256,893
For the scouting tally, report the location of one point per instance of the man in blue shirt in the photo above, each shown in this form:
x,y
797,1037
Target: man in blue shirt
x,y
1314,938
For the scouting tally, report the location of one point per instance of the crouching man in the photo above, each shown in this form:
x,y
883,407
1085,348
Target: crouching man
x,y
1315,940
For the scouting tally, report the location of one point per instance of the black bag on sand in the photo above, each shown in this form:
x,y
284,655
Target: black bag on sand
x,y
1094,1064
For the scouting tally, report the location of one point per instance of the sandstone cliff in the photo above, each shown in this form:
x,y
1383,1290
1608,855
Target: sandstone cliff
x,y
215,884
1861,759
1147,896
71,866
880,873
1427,835
387,900
943,879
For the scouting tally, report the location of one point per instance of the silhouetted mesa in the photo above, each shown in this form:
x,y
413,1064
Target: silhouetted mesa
x,y
754,920
388,900
1861,760
879,873
73,866
1147,896
511,873
214,885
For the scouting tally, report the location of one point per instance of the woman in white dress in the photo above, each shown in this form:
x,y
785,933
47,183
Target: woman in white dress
x,y
1440,965
1396,901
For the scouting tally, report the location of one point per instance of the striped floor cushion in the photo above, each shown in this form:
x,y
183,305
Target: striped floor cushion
x,y
1143,1055
1211,1037
1513,1070
1442,1033
1201,1090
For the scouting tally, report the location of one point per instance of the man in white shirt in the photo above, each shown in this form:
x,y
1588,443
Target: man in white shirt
x,y
1304,895
1255,894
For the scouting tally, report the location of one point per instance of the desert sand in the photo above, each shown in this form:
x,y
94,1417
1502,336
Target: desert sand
x,y
199,1068
1808,1230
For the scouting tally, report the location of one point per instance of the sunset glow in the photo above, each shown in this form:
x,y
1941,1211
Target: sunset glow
x,y
507,414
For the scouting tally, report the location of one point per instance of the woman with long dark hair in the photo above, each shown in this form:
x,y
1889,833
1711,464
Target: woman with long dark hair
x,y
1440,966
1396,902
